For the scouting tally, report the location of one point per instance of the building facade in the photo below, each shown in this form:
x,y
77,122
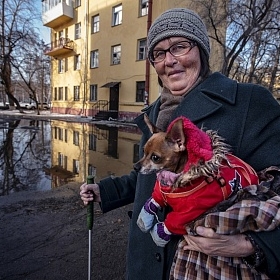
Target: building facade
x,y
98,50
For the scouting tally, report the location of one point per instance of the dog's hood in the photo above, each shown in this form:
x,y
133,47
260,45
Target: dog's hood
x,y
198,143
206,149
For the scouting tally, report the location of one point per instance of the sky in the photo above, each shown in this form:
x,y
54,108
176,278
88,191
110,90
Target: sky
x,y
44,31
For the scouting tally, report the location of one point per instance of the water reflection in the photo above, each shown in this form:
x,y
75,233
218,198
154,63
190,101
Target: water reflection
x,y
39,155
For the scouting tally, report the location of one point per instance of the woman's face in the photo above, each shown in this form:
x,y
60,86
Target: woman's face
x,y
180,73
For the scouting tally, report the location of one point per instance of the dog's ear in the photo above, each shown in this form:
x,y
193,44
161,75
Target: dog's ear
x,y
153,129
176,135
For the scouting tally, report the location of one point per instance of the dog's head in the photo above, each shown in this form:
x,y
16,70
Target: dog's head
x,y
163,150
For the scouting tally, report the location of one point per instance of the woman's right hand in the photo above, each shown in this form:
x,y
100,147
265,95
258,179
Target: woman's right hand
x,y
90,192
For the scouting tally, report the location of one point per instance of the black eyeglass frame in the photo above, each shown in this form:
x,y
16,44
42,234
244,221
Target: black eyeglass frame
x,y
192,44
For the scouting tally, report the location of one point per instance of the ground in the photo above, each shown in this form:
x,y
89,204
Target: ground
x,y
44,235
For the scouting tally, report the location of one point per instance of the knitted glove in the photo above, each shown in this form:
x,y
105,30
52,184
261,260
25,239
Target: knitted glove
x,y
147,214
160,234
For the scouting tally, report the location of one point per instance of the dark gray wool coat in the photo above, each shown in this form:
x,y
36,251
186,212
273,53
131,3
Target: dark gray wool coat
x,y
248,117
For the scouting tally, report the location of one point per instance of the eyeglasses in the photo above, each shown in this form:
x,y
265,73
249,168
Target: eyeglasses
x,y
176,50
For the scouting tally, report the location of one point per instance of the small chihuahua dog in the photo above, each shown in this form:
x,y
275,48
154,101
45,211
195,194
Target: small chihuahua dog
x,y
194,170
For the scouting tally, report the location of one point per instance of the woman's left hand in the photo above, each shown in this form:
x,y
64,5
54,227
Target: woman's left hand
x,y
213,244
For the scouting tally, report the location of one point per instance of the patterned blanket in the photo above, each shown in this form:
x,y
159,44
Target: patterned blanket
x,y
254,208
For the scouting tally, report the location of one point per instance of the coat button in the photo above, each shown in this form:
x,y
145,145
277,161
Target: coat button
x,y
158,257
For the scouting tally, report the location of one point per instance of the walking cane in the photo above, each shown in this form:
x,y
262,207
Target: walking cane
x,y
90,180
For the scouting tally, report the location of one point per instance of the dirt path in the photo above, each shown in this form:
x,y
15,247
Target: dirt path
x,y
43,235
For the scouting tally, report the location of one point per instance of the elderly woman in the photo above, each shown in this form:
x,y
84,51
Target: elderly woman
x,y
246,116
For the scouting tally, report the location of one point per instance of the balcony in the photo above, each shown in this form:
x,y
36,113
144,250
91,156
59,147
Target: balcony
x,y
60,47
55,14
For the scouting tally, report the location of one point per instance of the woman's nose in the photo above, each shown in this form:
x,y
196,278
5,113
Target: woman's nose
x,y
170,59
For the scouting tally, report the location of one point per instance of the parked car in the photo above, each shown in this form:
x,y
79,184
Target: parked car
x,y
4,105
46,105
32,106
28,106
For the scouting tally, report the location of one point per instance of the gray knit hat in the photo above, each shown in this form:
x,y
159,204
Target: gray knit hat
x,y
178,22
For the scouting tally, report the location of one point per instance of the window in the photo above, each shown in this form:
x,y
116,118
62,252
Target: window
x,y
60,38
60,66
94,62
142,49
76,93
66,64
77,3
93,93
116,54
91,170
76,166
95,24
77,62
60,133
66,93
55,93
76,138
77,31
117,15
55,132
65,162
60,93
92,142
140,91
60,159
66,135
144,7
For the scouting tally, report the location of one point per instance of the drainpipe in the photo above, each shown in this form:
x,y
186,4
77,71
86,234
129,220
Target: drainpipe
x,y
147,76
86,56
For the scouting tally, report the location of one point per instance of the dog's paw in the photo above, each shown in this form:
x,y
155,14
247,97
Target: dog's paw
x,y
160,234
145,220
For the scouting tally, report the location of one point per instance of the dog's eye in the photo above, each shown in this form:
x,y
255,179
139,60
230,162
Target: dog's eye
x,y
155,158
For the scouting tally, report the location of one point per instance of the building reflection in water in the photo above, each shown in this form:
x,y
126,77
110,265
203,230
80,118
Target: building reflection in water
x,y
42,155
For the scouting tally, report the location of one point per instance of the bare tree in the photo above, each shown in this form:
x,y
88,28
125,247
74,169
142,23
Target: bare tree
x,y
32,67
251,45
18,33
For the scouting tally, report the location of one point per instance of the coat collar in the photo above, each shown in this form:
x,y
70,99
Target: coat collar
x,y
202,101
207,98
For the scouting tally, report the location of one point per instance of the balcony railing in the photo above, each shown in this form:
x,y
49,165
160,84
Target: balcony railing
x,y
59,47
56,12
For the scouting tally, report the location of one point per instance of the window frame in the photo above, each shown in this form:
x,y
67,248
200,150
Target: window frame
x,y
76,166
117,15
77,3
143,8
77,62
60,66
116,55
93,93
142,49
95,24
94,59
66,93
140,91
76,93
60,93
76,138
78,29
92,142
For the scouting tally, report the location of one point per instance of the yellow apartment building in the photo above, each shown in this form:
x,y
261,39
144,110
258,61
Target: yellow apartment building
x,y
99,67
